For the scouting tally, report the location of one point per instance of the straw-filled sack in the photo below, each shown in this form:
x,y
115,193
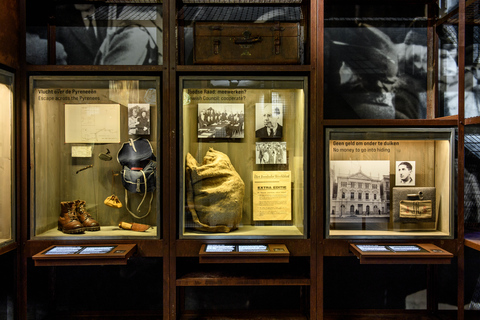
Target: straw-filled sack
x,y
215,192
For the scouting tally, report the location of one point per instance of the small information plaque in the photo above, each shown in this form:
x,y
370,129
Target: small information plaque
x,y
80,250
85,255
233,253
394,248
252,248
219,248
425,253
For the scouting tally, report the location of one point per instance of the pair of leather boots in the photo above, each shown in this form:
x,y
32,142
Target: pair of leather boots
x,y
74,218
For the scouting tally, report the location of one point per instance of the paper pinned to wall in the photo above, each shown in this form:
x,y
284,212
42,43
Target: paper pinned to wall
x,y
92,123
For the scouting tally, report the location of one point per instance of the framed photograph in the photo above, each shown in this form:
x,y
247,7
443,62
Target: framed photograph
x,y
359,190
221,120
405,173
271,153
268,120
138,119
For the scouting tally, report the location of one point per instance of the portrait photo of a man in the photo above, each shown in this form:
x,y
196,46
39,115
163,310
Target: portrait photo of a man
x,y
268,120
405,173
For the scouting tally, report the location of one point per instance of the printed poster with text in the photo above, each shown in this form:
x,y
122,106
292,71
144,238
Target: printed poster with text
x,y
272,198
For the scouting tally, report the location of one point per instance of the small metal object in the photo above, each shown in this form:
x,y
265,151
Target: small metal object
x,y
105,156
85,168
418,195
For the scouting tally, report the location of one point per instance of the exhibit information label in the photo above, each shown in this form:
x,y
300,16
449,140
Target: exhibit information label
x,y
272,198
392,248
220,248
80,250
252,248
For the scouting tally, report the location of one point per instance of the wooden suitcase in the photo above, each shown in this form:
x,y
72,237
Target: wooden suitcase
x,y
246,43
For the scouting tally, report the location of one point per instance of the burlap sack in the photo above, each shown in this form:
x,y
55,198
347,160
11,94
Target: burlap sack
x,y
215,192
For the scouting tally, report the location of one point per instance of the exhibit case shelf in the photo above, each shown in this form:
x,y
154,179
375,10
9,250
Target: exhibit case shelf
x,y
95,142
242,157
392,183
7,160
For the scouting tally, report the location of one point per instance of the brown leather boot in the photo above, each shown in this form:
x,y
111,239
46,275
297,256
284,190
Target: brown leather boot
x,y
85,218
68,221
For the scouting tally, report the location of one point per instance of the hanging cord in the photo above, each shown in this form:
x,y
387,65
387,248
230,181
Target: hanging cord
x,y
143,199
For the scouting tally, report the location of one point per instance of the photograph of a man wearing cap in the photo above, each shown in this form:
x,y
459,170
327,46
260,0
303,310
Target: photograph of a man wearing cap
x,y
268,120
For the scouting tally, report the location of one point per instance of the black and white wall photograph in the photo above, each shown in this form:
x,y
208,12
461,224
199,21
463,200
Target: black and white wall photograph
x,y
221,120
271,153
360,189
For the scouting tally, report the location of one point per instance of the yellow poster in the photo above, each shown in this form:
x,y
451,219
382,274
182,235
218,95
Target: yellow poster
x,y
272,198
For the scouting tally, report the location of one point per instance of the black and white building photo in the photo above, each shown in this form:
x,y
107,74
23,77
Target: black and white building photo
x,y
359,189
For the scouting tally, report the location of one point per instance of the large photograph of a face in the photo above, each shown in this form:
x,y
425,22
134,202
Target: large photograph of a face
x,y
375,65
268,120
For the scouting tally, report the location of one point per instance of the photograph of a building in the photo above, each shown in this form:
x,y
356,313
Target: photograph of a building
x,y
359,189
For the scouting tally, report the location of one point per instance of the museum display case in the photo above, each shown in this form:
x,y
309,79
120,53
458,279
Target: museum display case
x,y
94,149
7,160
389,183
242,157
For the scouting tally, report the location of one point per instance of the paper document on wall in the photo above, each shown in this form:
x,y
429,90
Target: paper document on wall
x,y
272,195
92,123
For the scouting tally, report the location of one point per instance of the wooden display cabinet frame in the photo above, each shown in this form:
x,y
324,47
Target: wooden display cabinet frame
x,y
175,252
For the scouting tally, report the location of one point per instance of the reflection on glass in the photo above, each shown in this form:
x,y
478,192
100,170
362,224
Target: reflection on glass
x,y
96,34
79,126
472,177
110,35
375,62
448,70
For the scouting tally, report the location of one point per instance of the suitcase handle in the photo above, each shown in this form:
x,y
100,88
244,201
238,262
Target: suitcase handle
x,y
217,28
248,41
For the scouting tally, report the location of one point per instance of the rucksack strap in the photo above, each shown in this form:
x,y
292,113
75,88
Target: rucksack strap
x,y
141,202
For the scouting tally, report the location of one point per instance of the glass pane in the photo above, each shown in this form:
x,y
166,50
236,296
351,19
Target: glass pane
x,y
93,34
6,159
243,154
447,6
375,61
232,34
37,13
472,61
94,145
472,177
404,177
448,69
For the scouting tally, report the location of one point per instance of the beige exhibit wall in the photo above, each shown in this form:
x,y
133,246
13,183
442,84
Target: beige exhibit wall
x,y
6,163
241,151
55,176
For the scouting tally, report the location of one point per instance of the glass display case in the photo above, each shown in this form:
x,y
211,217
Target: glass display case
x,y
94,146
242,32
389,183
242,161
95,33
7,160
